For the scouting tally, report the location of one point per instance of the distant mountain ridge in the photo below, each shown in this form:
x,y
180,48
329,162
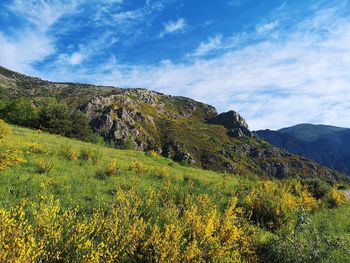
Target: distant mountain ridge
x,y
327,145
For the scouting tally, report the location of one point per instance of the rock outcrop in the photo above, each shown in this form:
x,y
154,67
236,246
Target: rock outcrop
x,y
231,120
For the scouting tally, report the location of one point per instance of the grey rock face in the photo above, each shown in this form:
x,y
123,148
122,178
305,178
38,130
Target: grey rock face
x,y
113,118
178,153
276,169
231,120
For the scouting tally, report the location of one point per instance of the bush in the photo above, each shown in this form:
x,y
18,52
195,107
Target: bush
x,y
153,154
336,198
36,148
318,188
44,232
304,243
9,158
4,130
139,168
129,144
95,157
160,173
21,112
273,203
85,154
49,115
111,170
43,167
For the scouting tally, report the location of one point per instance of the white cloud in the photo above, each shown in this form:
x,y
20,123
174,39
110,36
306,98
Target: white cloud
x,y
271,82
274,83
267,28
43,13
172,27
19,53
212,44
32,43
76,58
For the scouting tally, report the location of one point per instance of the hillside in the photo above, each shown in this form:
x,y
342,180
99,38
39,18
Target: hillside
x,y
64,200
179,128
324,144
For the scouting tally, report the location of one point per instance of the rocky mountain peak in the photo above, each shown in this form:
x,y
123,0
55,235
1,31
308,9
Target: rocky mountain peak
x,y
232,121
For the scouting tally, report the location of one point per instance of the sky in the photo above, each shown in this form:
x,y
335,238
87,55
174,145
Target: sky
x,y
276,62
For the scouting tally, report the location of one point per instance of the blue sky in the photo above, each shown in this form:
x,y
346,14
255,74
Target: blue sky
x,y
277,62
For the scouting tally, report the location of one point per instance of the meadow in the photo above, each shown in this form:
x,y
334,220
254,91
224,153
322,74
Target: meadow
x,y
63,200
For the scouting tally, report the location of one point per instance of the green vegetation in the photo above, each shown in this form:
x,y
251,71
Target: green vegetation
x,y
48,115
69,201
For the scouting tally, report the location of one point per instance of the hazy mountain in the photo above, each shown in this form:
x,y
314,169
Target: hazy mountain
x,y
327,145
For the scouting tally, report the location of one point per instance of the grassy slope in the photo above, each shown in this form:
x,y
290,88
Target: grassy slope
x,y
76,185
75,182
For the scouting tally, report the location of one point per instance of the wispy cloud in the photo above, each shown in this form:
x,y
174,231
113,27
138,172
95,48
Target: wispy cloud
x,y
43,13
32,42
302,77
273,75
173,27
205,48
268,27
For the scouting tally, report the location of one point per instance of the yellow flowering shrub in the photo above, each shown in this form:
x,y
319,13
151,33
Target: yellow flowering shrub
x,y
336,198
126,232
153,154
10,157
43,167
272,203
160,172
18,240
111,170
4,130
139,168
36,148
74,156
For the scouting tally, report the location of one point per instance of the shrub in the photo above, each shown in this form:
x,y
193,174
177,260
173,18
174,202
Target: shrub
x,y
85,154
111,170
74,155
336,198
49,115
18,242
43,167
152,154
273,203
36,148
95,157
160,173
318,188
21,112
122,232
304,243
129,144
9,158
138,167
4,130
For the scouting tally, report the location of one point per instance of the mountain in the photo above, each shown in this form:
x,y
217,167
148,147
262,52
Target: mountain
x,y
310,132
179,128
327,145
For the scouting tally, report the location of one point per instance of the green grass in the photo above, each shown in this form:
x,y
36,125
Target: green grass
x,y
78,174
337,221
75,182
